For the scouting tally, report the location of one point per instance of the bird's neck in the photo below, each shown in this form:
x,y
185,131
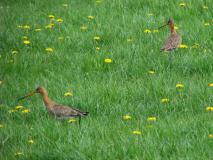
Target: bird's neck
x,y
47,101
172,28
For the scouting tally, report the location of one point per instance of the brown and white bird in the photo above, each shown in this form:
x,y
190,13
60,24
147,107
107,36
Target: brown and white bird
x,y
174,40
54,109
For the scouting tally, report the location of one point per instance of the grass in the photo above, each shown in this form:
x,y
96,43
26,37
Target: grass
x,y
107,91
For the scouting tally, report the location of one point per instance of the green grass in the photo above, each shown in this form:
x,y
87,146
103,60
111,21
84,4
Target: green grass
x,y
107,91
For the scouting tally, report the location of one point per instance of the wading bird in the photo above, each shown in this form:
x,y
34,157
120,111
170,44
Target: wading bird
x,y
174,39
54,109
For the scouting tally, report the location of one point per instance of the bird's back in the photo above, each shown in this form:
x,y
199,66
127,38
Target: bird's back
x,y
172,43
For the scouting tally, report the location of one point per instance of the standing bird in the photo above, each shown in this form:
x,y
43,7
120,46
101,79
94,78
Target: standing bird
x,y
174,39
54,109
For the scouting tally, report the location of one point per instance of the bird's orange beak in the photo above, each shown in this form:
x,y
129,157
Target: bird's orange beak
x,y
163,26
28,95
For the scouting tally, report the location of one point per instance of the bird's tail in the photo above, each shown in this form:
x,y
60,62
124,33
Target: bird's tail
x,y
85,113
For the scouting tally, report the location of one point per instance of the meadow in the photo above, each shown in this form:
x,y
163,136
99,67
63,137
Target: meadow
x,y
104,57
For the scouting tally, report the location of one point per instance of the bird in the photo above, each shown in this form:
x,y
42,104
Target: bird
x,y
57,110
174,40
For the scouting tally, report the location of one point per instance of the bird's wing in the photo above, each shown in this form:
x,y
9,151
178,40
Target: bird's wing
x,y
66,111
172,43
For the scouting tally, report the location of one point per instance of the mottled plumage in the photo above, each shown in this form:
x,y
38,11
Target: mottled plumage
x,y
174,39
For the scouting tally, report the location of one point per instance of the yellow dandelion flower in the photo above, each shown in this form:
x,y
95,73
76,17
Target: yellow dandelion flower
x,y
49,26
65,5
129,40
127,117
136,132
209,108
108,60
97,48
60,20
38,29
27,42
19,153
210,84
12,110
210,135
205,7
151,72
155,31
179,85
51,16
151,119
26,27
1,125
67,94
147,31
182,4
49,50
84,28
207,24
183,46
90,17
164,100
14,51
30,141
19,107
71,120
176,27
25,111
97,38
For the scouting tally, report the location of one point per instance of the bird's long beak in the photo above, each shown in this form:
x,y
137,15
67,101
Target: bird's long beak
x,y
163,26
28,95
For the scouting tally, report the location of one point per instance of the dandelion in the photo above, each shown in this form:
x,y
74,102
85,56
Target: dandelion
x,y
183,46
155,31
207,24
60,20
164,100
67,94
19,153
51,16
136,132
84,28
179,85
38,29
19,107
71,120
108,60
151,72
49,50
182,4
26,27
30,141
90,17
49,26
97,48
205,7
147,31
151,119
210,84
176,27
210,136
127,117
1,125
26,42
97,38
209,108
25,111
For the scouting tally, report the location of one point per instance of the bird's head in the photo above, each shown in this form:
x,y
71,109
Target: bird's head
x,y
170,23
